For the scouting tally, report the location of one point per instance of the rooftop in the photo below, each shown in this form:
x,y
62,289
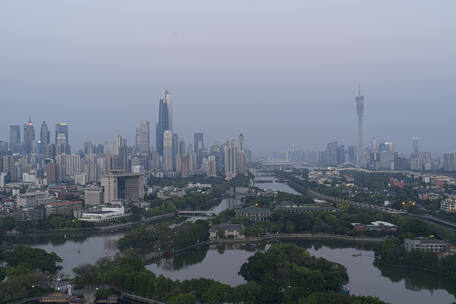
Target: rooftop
x,y
227,227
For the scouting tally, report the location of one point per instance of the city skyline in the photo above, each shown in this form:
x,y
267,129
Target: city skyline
x,y
293,81
164,114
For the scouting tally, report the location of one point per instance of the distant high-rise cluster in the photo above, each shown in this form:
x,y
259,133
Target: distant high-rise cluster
x,y
35,158
235,160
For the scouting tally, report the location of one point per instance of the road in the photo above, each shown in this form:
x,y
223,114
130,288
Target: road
x,y
428,217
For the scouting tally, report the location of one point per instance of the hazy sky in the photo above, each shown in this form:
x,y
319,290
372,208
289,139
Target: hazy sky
x,y
281,72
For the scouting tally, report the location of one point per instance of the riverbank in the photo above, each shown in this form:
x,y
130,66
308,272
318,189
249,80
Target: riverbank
x,y
98,229
269,237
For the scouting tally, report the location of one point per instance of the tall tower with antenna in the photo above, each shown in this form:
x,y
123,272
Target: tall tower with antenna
x,y
361,159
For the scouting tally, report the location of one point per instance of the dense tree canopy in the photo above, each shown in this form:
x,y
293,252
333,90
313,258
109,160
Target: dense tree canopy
x,y
287,272
284,274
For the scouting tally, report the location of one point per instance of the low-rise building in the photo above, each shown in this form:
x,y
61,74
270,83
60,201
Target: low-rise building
x,y
63,208
34,199
448,205
375,226
93,196
104,214
295,208
425,244
229,231
254,214
27,214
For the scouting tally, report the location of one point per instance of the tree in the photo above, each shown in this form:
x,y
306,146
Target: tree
x,y
221,233
287,271
289,228
183,298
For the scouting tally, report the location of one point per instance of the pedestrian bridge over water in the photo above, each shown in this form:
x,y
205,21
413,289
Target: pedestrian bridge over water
x,y
190,213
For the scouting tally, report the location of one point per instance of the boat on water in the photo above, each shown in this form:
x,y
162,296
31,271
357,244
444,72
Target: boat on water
x,y
356,254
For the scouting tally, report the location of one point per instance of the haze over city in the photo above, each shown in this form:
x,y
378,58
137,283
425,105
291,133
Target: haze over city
x,y
280,72
244,152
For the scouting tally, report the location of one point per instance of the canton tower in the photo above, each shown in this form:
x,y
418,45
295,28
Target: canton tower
x,y
360,111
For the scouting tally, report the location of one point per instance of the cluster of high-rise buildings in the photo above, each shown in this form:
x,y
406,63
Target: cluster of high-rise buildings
x,y
376,156
35,158
173,157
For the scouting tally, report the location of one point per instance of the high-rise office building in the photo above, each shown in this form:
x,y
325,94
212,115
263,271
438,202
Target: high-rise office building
x,y
45,134
175,149
242,160
122,186
185,166
29,136
198,140
386,146
167,98
211,167
52,173
217,150
61,145
15,138
121,158
374,145
168,151
415,144
61,138
164,120
182,147
142,137
331,153
88,147
340,154
360,111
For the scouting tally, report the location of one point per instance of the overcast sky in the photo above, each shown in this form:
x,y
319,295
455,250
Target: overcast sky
x,y
281,72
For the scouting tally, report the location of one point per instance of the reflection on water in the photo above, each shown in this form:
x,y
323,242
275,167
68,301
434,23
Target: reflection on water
x,y
282,187
419,280
223,263
75,250
220,263
227,203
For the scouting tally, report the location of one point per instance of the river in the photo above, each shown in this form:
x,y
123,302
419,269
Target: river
x,y
76,250
223,263
394,285
263,182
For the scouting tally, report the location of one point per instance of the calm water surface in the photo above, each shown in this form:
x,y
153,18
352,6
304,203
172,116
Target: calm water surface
x,y
393,286
276,187
77,250
223,263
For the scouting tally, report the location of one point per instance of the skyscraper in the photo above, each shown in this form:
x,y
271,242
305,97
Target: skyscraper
x,y
168,151
185,166
242,161
198,140
45,134
164,120
29,136
121,154
182,147
230,159
211,166
415,144
14,138
142,137
360,111
167,98
175,149
61,137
